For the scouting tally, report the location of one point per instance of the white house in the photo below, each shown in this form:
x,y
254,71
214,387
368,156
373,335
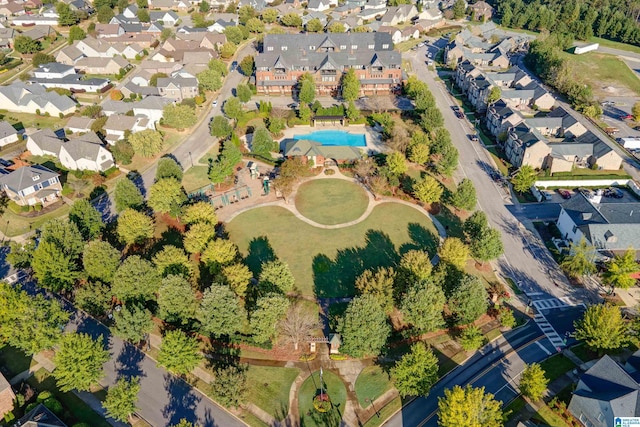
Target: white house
x,y
8,134
118,124
319,5
33,98
63,76
86,152
151,107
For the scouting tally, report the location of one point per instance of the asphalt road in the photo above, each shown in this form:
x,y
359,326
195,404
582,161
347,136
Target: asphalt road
x,y
163,398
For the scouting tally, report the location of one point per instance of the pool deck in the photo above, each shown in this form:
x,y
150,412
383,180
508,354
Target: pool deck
x,y
372,137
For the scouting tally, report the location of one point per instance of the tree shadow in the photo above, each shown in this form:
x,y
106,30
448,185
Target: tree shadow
x,y
136,178
223,355
4,265
128,364
422,239
183,402
260,251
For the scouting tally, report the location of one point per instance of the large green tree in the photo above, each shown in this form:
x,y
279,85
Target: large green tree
x,y
133,322
453,251
176,300
416,372
468,301
619,270
276,276
262,143
26,45
306,88
94,297
580,260
220,312
524,179
219,252
270,309
134,227
379,284
168,168
350,84
127,195
465,195
86,218
79,359
198,236
179,353
167,196
66,16
147,143
428,190
54,269
179,116
233,108
100,260
121,399
220,127
533,382
135,280
488,245
210,80
364,328
173,260
199,212
422,307
602,328
469,407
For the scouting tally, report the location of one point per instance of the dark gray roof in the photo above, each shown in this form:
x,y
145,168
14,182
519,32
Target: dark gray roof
x,y
6,129
528,136
582,212
26,176
86,146
305,147
53,67
40,416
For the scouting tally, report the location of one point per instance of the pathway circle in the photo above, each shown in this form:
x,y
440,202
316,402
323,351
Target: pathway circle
x,y
331,384
331,201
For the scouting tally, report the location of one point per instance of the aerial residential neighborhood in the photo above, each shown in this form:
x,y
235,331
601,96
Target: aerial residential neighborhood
x,y
319,213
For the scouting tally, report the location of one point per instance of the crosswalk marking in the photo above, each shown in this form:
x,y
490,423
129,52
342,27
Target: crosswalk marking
x,y
543,323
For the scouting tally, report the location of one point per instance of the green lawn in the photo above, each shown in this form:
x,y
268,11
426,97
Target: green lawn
x,y
514,408
384,413
371,384
332,384
75,408
556,366
549,418
331,201
326,263
32,120
14,225
502,165
584,353
601,70
269,388
195,178
14,360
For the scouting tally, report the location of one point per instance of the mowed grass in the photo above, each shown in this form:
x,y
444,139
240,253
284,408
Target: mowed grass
x,y
602,70
556,366
546,416
371,384
195,178
331,201
333,386
325,263
269,388
14,360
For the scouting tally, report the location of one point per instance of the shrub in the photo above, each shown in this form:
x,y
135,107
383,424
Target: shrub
x,y
329,171
507,318
30,406
53,405
338,357
61,115
471,338
308,357
67,190
38,207
322,403
44,396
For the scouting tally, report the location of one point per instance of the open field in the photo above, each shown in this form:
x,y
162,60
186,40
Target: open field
x,y
602,70
331,201
326,263
371,384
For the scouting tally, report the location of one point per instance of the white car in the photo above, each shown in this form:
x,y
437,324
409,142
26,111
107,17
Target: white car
x,y
215,103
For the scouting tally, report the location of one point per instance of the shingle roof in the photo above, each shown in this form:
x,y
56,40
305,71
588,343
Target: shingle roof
x,y
79,123
47,140
6,129
40,416
305,147
27,176
86,146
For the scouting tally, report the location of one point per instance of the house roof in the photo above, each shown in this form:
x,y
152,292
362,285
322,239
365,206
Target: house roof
x,y
85,146
53,67
6,129
305,147
40,416
47,140
152,103
108,29
71,52
177,81
4,384
119,122
26,177
96,62
80,123
38,32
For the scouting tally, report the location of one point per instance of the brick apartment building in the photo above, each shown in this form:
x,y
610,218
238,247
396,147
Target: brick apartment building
x,y
285,57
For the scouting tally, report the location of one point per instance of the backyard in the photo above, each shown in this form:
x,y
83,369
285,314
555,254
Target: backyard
x,y
325,263
331,201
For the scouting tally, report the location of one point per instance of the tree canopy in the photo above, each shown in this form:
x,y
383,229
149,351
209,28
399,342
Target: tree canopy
x,y
602,328
86,218
100,260
416,372
127,195
134,227
179,353
176,301
79,359
270,309
220,312
121,399
135,280
468,301
619,270
469,407
167,196
364,328
422,307
533,382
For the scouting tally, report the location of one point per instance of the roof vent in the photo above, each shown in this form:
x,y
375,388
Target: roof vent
x,y
586,216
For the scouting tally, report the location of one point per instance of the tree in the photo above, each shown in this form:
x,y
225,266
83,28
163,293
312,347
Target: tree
x,y
465,195
337,27
306,88
364,328
127,195
66,16
86,218
475,225
270,309
173,260
134,227
229,386
416,372
26,45
422,307
431,119
153,80
471,338
228,49
200,212
415,266
220,127
255,25
459,9
209,80
350,83
581,259
298,325
166,34
133,322
378,284
135,280
237,276
262,143
54,269
121,398
314,26
220,312
147,143
244,93
104,14
453,251
352,112
602,328
291,20
468,300
397,163
494,95
533,382
269,16
168,168
524,179
228,159
419,153
179,353
219,252
469,407
276,276
100,260
635,111
183,422
79,359
428,190
232,108
42,58
167,196
196,239
179,116
619,270
247,65
76,33
176,301
488,245
143,15
94,298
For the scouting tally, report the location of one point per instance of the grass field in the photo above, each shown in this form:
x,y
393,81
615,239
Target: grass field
x,y
371,384
269,388
17,225
326,263
556,366
337,392
331,201
196,177
13,360
32,120
602,70
549,418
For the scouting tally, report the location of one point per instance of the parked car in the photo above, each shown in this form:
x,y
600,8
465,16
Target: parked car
x,y
614,192
458,112
566,194
473,137
587,193
214,103
626,117
293,105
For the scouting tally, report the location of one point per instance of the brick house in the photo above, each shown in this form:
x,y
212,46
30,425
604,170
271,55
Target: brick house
x,y
286,57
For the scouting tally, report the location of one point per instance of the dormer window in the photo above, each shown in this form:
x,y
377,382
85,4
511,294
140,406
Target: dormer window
x,y
343,46
35,178
270,48
371,46
354,46
385,46
312,48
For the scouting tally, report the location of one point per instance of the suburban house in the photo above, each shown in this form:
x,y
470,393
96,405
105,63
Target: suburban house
x,y
40,416
102,65
84,152
178,88
64,76
482,11
399,14
105,48
40,32
6,37
8,134
316,154
28,20
7,396
286,57
11,8
609,227
69,55
118,124
321,5
79,124
104,31
33,98
32,185
167,18
607,391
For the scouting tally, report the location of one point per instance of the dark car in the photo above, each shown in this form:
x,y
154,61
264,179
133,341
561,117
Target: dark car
x,y
566,194
458,112
473,137
293,105
614,192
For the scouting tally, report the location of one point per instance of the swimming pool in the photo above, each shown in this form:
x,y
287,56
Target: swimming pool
x,y
335,137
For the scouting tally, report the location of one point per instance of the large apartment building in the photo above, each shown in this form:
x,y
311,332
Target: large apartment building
x,y
286,57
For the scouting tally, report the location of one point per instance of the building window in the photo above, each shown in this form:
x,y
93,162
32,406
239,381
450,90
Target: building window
x,y
354,46
328,79
284,48
312,48
385,46
372,46
267,78
343,46
269,48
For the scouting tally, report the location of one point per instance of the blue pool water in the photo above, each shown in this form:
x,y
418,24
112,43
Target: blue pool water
x,y
335,137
